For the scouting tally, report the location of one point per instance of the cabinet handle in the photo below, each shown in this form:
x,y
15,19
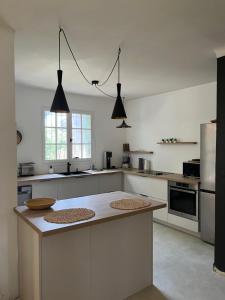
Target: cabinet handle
x,y
143,195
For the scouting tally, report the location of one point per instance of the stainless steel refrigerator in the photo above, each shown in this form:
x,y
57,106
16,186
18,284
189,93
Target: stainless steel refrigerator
x,y
207,185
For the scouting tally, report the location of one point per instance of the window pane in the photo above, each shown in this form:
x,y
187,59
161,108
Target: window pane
x,y
86,136
50,136
86,121
76,151
76,136
49,119
61,120
50,152
61,136
61,151
86,149
76,120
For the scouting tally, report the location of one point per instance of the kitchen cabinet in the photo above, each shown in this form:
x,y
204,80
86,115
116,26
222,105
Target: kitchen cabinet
x,y
183,223
77,187
110,183
151,187
73,187
47,189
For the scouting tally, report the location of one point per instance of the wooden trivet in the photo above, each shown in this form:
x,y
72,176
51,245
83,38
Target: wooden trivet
x,y
132,203
72,215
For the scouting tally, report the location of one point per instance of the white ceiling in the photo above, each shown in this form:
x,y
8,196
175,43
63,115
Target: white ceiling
x,y
166,45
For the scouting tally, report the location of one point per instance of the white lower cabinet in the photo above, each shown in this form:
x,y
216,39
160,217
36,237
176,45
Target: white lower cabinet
x,y
47,189
183,222
151,187
77,186
110,183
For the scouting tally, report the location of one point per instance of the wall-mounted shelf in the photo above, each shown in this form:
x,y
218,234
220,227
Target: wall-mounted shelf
x,y
140,152
184,143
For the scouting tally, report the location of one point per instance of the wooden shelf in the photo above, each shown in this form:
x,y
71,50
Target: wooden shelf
x,y
140,152
183,143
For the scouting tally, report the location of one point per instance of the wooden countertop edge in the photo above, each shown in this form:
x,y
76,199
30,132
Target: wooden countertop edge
x,y
169,177
90,222
22,180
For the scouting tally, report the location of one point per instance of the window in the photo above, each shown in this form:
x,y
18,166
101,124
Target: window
x,y
67,136
81,135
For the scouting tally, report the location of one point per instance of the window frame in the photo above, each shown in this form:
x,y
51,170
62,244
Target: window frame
x,y
69,136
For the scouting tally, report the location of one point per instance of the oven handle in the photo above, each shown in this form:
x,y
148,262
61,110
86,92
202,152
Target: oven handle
x,y
183,191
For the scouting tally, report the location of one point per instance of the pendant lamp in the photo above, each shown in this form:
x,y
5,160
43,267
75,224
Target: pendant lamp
x,y
119,111
59,104
123,125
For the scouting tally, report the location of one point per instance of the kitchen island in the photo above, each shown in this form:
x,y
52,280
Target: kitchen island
x,y
106,257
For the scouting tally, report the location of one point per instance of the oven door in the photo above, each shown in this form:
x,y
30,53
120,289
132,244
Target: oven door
x,y
183,203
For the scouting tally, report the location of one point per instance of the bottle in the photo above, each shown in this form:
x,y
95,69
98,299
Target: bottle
x,y
51,170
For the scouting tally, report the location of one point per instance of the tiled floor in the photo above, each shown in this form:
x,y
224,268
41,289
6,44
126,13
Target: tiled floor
x,y
182,269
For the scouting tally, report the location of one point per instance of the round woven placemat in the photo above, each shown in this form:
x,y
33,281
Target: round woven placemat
x,y
133,203
72,215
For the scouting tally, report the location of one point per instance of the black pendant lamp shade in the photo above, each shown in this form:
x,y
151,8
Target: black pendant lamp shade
x,y
119,111
59,104
123,125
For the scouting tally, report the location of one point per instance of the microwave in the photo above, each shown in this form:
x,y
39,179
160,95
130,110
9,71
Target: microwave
x,y
191,169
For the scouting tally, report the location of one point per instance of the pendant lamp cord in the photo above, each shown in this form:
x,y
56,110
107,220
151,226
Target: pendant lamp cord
x,y
117,62
59,49
113,68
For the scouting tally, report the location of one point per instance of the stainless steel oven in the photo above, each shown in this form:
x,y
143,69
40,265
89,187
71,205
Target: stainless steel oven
x,y
183,200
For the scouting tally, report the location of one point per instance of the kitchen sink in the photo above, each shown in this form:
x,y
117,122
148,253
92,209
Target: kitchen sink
x,y
74,173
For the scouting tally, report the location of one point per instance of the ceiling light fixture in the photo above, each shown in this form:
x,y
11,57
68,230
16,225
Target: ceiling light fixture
x,y
123,125
119,111
59,104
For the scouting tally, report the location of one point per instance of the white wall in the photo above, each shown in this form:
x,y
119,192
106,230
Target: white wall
x,y
31,101
175,114
8,238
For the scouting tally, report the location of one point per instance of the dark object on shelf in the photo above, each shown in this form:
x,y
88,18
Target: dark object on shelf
x,y
19,137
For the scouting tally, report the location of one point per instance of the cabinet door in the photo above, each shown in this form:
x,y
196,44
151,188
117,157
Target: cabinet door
x,y
77,187
151,187
110,183
47,189
161,214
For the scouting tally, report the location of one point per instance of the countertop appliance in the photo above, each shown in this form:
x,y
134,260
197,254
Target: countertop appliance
x,y
141,162
207,178
183,200
24,193
107,160
26,169
191,168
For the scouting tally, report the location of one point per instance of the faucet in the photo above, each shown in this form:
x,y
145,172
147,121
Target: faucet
x,y
68,167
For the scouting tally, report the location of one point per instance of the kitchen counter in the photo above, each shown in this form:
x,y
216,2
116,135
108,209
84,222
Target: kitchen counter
x,y
168,176
107,257
99,203
46,177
